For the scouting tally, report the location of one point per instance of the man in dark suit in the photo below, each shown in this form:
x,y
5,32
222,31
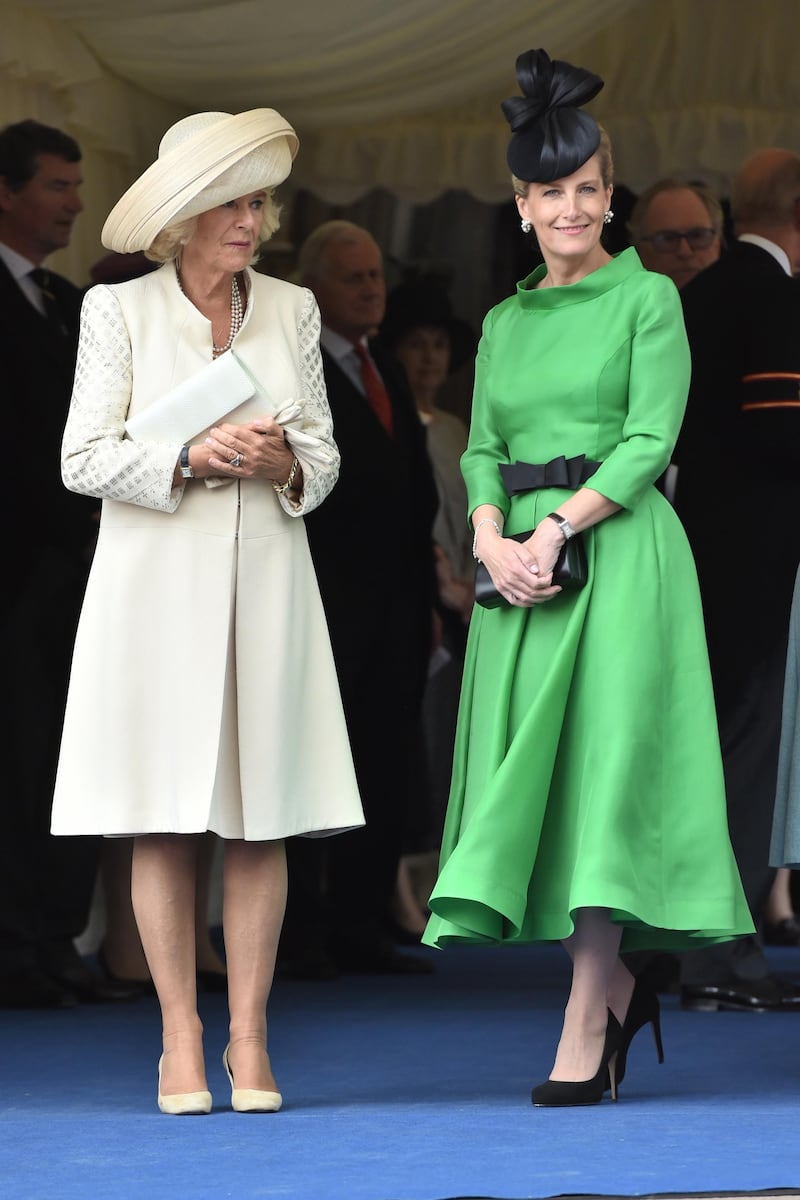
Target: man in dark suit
x,y
46,883
372,547
738,495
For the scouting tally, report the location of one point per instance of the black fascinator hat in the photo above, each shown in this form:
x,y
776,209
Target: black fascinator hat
x,y
550,136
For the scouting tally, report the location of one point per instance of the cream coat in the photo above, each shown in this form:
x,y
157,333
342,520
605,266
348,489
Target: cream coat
x,y
203,692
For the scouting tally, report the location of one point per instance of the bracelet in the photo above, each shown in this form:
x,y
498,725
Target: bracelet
x,y
484,521
280,488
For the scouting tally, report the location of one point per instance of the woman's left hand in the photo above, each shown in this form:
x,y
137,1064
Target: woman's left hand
x,y
256,450
545,545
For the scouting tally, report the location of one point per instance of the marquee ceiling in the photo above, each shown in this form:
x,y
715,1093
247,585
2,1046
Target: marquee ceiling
x,y
404,94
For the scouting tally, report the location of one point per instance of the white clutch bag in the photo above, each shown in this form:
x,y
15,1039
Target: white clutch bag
x,y
203,399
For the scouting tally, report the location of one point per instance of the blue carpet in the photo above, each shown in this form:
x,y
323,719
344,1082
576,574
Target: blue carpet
x,y
402,1089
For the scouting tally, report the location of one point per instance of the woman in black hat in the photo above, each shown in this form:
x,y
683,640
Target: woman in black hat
x,y
587,802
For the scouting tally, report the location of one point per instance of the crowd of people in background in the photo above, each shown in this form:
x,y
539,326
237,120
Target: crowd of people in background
x,y
396,500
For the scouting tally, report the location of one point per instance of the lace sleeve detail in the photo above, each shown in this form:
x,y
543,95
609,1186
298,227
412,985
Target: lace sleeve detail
x,y
317,420
96,457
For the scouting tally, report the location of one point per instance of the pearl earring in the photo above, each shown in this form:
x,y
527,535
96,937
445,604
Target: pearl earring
x,y
525,225
608,217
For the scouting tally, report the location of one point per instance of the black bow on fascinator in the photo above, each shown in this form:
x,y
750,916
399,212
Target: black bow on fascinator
x,y
550,136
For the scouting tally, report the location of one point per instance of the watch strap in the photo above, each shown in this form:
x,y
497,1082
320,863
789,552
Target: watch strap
x,y
563,524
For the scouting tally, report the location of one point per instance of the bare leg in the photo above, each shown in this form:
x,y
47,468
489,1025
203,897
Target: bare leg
x,y
405,906
779,905
253,908
163,894
122,947
206,955
594,949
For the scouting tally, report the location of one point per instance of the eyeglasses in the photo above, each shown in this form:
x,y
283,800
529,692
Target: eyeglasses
x,y
668,240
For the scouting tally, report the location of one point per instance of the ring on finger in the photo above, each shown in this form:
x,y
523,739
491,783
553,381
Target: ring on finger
x,y
237,460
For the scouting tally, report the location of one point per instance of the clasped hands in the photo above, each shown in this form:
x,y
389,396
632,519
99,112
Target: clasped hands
x,y
257,449
523,571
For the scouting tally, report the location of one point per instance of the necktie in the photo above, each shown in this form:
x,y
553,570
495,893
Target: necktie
x,y
41,278
376,392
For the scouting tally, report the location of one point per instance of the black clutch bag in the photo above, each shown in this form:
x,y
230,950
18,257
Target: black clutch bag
x,y
569,572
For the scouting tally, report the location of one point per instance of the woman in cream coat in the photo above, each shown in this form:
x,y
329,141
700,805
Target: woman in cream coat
x,y
203,693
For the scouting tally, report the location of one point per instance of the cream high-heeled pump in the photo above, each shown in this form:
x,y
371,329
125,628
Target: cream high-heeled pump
x,y
250,1099
183,1104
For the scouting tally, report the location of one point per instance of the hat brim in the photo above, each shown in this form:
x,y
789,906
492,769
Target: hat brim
x,y
176,178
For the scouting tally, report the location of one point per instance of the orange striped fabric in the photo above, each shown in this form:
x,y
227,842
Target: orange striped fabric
x,y
773,389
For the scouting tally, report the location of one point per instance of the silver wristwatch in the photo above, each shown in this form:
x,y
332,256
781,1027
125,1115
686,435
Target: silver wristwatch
x,y
186,467
563,524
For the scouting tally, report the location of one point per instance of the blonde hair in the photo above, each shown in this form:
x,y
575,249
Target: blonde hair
x,y
167,245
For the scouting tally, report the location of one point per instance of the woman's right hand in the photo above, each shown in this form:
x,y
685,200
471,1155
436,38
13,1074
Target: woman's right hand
x,y
514,568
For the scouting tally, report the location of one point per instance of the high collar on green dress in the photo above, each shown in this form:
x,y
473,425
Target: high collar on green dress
x,y
596,283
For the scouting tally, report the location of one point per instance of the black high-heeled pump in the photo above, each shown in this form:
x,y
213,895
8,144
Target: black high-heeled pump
x,y
643,1009
557,1093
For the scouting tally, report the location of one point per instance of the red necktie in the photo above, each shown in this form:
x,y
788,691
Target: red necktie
x,y
376,392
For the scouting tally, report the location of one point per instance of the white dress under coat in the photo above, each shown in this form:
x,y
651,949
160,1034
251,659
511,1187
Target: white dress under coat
x,y
203,693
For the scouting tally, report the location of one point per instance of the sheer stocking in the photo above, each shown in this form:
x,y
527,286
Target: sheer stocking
x,y
598,982
253,909
163,895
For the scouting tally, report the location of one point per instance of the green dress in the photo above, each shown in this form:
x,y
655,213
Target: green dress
x,y
587,768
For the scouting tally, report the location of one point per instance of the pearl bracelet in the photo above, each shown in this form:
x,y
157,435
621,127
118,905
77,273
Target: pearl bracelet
x,y
484,521
281,488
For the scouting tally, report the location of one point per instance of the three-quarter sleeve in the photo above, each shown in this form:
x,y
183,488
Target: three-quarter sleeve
x,y
659,375
320,462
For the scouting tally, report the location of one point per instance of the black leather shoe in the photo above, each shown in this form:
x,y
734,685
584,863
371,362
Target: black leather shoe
x,y
782,933
770,994
33,989
91,988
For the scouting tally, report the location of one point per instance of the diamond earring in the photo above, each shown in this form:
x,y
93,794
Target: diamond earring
x,y
608,217
525,225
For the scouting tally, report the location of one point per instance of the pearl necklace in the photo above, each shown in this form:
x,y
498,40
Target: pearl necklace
x,y
236,315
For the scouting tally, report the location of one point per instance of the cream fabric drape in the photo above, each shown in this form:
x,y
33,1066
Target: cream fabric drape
x,y
403,96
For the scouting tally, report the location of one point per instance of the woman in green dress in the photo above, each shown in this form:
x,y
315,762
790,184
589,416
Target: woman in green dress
x,y
587,801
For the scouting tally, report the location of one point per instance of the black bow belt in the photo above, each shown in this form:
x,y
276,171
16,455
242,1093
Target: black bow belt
x,y
559,472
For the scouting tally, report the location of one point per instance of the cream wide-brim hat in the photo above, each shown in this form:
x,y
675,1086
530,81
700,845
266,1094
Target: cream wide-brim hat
x,y
204,160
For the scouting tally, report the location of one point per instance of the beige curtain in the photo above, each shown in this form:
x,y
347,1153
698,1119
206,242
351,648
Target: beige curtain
x,y
399,97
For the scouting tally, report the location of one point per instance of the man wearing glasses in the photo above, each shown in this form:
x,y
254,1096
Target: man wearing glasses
x,y
677,229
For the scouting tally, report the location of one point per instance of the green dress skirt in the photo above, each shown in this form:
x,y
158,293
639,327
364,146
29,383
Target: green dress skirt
x,y
587,769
